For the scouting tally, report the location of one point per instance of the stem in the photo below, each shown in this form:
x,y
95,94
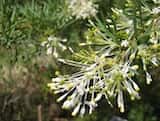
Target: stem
x,y
39,112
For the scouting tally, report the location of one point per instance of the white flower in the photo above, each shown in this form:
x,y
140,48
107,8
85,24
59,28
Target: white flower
x,y
80,84
87,86
124,43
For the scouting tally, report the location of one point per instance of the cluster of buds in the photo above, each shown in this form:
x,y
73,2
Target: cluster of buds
x,y
82,8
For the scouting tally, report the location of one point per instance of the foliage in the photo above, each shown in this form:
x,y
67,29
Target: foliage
x,y
143,112
22,58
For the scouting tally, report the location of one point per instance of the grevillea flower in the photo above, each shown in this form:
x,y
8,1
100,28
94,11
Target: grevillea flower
x,y
82,90
79,89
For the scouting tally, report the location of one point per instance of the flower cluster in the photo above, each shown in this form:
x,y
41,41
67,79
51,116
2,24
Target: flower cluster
x,y
119,79
86,87
80,89
82,8
53,44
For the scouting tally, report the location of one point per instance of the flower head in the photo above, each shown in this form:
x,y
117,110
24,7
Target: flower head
x,y
52,44
82,8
